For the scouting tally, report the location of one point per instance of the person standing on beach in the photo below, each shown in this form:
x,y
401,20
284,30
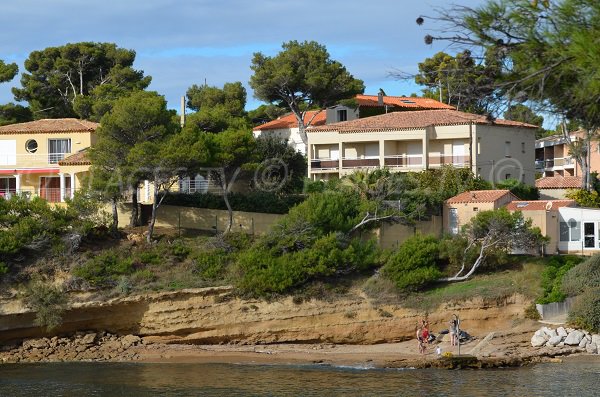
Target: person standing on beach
x,y
454,330
420,340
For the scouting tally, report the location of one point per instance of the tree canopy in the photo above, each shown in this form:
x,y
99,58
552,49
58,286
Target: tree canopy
x,y
69,80
459,81
301,77
548,50
523,113
217,109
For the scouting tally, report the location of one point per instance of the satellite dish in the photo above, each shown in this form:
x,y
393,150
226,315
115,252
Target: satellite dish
x,y
548,205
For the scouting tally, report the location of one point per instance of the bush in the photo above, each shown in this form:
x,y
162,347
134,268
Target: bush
x,y
211,265
585,312
414,264
264,272
583,276
552,278
104,269
49,303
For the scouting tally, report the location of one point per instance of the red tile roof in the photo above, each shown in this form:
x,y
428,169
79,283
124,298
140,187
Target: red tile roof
x,y
50,126
559,182
417,119
290,121
480,196
401,102
79,158
539,205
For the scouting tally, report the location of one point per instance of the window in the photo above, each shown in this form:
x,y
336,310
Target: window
x,y
31,146
507,176
570,231
475,209
522,147
478,145
453,220
57,148
507,149
342,115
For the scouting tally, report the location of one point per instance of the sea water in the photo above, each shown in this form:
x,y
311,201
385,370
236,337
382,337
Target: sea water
x,y
135,379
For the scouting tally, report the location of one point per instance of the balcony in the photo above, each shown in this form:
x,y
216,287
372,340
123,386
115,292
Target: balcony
x,y
565,162
360,162
31,160
51,195
404,161
324,165
439,160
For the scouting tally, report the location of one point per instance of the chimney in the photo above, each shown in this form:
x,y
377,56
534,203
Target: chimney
x,y
182,121
380,98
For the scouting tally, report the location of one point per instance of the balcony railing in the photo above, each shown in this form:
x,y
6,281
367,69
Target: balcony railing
x,y
31,160
360,163
324,164
404,161
563,161
438,160
51,195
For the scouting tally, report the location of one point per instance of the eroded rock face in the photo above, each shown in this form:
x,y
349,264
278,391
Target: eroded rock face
x,y
214,316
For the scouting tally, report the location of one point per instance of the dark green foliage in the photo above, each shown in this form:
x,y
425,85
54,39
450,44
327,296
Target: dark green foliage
x,y
585,312
12,114
552,278
415,263
464,83
519,189
265,113
520,112
104,269
264,272
280,168
99,72
581,277
48,301
254,201
211,265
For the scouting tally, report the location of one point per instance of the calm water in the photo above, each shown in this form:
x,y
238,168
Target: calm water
x,y
116,379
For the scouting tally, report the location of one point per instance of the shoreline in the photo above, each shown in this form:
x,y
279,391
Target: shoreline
x,y
401,355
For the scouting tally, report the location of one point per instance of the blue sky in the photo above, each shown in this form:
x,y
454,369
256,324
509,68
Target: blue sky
x,y
180,43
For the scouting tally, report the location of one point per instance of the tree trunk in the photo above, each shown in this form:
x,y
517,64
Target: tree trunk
x,y
114,227
152,218
229,211
134,209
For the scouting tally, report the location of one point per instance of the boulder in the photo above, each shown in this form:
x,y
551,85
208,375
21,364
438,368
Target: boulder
x,y
584,342
540,332
88,339
35,344
591,348
130,340
561,331
537,341
555,340
596,339
548,332
574,338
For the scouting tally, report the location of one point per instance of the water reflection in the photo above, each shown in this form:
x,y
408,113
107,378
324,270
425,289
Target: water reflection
x,y
130,379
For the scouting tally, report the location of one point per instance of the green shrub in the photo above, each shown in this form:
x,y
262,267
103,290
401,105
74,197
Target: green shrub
x,y
104,269
150,257
585,312
552,278
3,268
179,250
211,265
264,272
414,264
48,302
583,276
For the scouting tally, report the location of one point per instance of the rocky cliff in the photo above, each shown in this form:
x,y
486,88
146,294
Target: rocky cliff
x,y
215,316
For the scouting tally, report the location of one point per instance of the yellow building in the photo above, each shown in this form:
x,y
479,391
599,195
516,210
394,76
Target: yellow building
x,y
45,157
424,139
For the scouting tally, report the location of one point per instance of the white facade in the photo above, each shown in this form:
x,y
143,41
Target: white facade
x,y
579,230
291,135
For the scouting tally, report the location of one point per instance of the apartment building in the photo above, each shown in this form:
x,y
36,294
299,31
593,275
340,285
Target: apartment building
x,y
553,159
45,158
286,127
424,139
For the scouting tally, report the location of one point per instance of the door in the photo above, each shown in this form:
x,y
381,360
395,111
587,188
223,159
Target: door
x,y
458,153
453,220
50,188
589,235
334,152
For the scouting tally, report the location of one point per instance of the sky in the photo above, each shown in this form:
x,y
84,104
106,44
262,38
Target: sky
x,y
184,42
